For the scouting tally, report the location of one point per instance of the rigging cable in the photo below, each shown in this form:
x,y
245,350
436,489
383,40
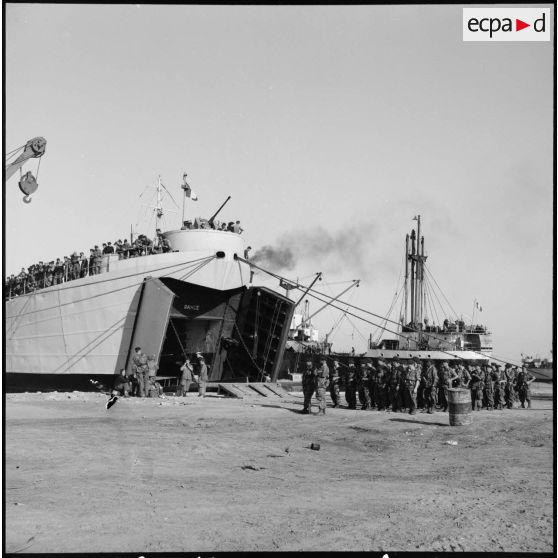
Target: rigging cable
x,y
366,312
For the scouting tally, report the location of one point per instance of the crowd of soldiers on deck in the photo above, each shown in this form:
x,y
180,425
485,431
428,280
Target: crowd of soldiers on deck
x,y
69,268
231,226
399,386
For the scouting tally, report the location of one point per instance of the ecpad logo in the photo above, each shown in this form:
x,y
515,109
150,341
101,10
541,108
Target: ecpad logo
x,y
506,24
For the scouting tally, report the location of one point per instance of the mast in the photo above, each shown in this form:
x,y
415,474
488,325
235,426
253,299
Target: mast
x,y
406,288
413,280
159,206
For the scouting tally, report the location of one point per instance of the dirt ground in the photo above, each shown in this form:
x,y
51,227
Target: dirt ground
x,y
222,474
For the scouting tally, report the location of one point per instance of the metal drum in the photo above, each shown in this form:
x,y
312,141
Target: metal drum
x,y
459,401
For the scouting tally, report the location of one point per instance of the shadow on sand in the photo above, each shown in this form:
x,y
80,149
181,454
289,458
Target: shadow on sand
x,y
419,422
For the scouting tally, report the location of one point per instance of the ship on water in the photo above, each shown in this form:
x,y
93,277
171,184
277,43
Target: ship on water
x,y
195,298
541,368
414,334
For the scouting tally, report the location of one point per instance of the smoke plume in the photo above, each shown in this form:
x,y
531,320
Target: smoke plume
x,y
352,249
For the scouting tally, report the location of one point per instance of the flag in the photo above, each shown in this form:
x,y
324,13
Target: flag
x,y
188,192
479,307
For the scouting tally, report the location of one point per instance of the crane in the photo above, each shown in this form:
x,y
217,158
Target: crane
x,y
33,149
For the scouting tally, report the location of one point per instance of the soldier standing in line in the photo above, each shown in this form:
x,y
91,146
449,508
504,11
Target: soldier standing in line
x,y
499,382
476,386
308,387
429,381
372,373
410,383
394,384
488,387
350,385
509,395
523,383
446,376
140,371
381,387
334,383
322,381
362,386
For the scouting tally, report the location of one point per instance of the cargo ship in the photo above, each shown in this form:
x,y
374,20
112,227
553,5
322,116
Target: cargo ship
x,y
541,369
414,334
195,298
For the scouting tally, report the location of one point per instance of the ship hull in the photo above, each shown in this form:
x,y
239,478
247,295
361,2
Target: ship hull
x,y
171,305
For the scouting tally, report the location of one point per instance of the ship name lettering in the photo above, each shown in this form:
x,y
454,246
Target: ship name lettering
x,y
191,307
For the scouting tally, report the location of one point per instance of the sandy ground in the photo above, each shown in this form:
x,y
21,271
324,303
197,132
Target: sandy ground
x,y
221,474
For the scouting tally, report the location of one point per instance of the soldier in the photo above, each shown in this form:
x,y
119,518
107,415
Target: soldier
x,y
350,385
410,378
140,371
446,376
488,387
334,383
394,384
97,259
499,381
477,387
22,281
322,381
463,376
308,387
381,396
203,377
58,271
372,384
523,384
509,391
92,269
31,285
40,270
83,265
429,381
363,386
66,264
186,378
75,267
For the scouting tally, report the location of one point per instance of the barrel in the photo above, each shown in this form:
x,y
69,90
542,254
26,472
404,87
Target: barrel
x,y
459,401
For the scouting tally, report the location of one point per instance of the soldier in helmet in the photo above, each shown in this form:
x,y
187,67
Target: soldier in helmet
x,y
394,383
350,385
334,383
429,382
509,386
523,385
477,387
308,386
446,376
410,383
322,381
488,386
381,396
499,381
363,387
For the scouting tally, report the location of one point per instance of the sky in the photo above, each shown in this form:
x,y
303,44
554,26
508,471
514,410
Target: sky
x,y
330,127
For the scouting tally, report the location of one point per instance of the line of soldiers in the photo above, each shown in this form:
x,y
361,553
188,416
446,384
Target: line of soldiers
x,y
419,384
42,275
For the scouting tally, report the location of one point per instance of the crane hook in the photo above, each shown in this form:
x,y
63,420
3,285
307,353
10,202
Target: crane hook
x,y
27,199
